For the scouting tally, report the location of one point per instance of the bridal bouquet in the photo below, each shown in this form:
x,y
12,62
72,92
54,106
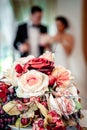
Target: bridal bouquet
x,y
35,92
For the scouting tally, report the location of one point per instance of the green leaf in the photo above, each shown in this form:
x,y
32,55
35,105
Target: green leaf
x,y
50,89
78,105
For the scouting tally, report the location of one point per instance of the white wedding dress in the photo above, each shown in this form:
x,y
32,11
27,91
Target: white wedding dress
x,y
60,55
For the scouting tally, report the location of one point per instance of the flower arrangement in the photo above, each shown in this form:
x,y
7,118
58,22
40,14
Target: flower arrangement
x,y
35,92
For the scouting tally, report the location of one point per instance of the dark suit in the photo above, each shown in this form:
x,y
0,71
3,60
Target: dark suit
x,y
22,35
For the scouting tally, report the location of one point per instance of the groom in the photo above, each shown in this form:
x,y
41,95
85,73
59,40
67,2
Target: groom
x,y
28,34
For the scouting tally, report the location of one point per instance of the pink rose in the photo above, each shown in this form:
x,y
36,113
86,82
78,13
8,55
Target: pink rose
x,y
69,106
56,120
32,83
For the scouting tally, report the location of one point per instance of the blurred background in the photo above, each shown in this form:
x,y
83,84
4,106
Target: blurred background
x,y
15,12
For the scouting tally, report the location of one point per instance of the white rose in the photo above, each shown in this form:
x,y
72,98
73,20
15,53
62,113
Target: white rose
x,y
73,91
11,75
32,83
23,60
48,55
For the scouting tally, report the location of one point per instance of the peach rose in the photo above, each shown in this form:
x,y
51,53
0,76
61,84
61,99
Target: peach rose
x,y
62,75
32,83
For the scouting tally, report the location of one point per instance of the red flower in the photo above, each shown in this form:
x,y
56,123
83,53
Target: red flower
x,y
59,123
18,68
56,120
3,90
40,64
52,80
55,116
44,103
53,113
38,124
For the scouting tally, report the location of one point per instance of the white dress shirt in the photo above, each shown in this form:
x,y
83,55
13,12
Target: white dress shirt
x,y
33,39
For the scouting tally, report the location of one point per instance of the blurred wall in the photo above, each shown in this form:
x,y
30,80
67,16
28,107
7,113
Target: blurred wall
x,y
73,9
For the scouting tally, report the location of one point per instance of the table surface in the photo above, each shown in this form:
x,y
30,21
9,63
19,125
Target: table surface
x,y
83,121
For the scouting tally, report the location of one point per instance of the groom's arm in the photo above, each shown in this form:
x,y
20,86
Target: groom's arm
x,y
17,40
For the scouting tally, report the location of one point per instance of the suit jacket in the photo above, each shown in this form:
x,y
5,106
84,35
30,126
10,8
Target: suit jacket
x,y
22,35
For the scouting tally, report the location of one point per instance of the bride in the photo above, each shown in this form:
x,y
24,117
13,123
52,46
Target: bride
x,y
62,43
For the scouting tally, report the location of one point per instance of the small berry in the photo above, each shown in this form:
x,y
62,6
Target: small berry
x,y
41,123
24,121
25,100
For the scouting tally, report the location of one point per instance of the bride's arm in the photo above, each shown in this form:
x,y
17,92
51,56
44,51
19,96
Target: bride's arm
x,y
68,44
